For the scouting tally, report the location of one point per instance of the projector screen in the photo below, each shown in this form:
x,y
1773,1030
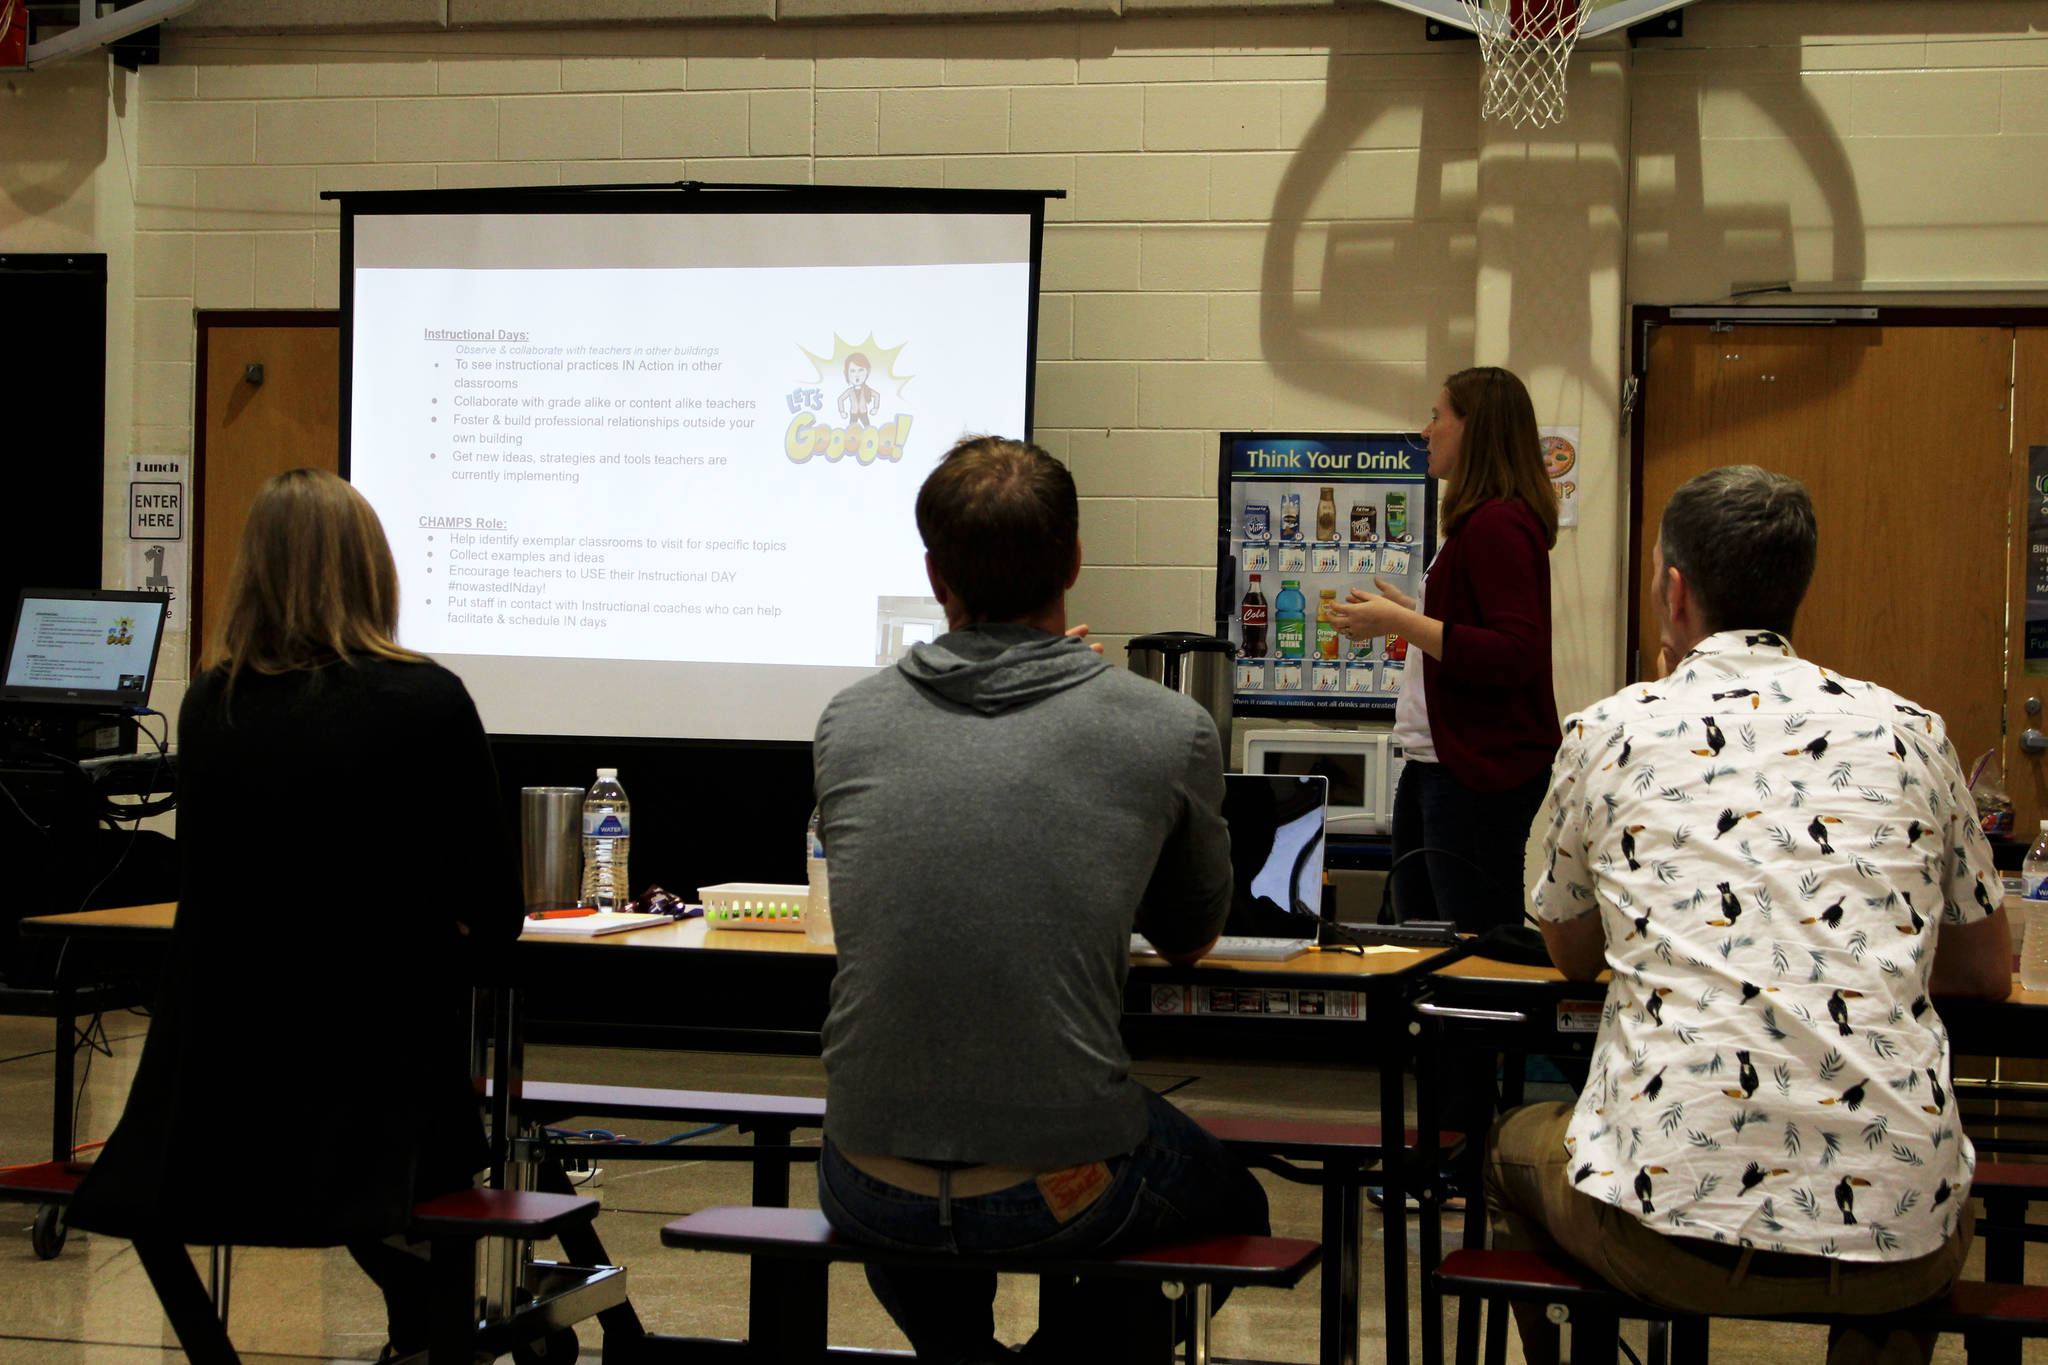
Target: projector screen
x,y
647,461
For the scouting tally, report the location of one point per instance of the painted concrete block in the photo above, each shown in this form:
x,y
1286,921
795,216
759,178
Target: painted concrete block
x,y
943,122
1077,119
560,127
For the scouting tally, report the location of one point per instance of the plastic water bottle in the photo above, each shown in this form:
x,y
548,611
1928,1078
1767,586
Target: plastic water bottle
x,y
818,909
2034,944
1290,620
607,831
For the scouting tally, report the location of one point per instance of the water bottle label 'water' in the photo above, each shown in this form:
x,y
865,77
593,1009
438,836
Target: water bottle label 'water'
x,y
2034,886
610,825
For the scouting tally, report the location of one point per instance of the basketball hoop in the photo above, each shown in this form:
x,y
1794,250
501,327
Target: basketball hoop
x,y
1525,45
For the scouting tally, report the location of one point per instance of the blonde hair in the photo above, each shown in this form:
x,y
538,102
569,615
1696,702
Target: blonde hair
x,y
313,583
1501,455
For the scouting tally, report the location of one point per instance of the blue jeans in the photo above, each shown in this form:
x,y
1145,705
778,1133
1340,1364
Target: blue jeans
x,y
1178,1183
1477,878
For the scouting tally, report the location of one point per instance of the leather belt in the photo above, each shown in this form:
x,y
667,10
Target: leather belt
x,y
918,1178
1776,1264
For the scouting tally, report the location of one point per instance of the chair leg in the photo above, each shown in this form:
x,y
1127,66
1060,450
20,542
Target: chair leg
x,y
583,1246
1991,1347
2005,1250
1343,1235
794,1333
1465,1346
178,1288
451,1329
1596,1339
1498,1315
1691,1341
1198,1326
220,1267
1658,1344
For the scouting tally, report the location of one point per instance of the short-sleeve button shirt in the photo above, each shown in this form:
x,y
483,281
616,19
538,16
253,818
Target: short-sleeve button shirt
x,y
1773,849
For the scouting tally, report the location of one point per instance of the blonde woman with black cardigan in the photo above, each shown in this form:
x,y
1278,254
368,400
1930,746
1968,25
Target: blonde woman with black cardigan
x,y
1480,731
306,1076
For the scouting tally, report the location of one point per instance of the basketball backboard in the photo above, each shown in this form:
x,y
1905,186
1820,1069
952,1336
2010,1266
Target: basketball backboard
x,y
1602,16
1526,46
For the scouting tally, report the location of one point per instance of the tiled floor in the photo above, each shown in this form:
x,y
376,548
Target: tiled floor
x,y
92,1305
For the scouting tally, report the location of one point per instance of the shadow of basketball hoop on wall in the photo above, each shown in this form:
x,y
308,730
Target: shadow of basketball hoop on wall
x,y
1683,233
1369,245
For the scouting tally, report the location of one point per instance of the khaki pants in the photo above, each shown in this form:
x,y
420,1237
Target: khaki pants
x,y
1533,1207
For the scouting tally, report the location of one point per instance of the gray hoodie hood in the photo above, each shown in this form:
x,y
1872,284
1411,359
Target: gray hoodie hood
x,y
995,668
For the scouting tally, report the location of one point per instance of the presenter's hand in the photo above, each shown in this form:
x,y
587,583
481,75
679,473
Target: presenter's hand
x,y
1366,615
1388,591
1080,632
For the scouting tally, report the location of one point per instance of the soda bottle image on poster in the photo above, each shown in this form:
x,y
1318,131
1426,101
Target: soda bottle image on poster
x,y
1302,519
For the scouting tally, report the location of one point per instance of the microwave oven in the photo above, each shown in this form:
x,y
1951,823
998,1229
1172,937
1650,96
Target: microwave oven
x,y
1362,766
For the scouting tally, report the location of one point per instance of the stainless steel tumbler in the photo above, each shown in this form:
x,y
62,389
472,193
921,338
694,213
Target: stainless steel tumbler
x,y
551,846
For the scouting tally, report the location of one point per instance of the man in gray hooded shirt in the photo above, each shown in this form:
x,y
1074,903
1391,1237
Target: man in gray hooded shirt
x,y
1001,809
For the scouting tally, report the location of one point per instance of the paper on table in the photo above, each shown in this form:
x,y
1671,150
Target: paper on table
x,y
602,922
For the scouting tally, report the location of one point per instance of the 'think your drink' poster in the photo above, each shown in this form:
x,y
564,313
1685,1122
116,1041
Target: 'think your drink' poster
x,y
1304,519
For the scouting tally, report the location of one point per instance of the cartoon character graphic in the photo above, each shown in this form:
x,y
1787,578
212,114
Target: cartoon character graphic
x,y
859,404
1558,456
122,632
866,432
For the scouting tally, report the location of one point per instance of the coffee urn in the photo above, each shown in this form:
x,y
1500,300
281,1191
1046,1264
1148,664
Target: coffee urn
x,y
1194,665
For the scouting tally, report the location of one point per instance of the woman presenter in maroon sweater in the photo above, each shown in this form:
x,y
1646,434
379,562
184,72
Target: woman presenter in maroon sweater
x,y
1480,731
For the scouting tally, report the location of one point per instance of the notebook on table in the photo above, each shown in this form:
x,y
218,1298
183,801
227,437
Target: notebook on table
x,y
590,925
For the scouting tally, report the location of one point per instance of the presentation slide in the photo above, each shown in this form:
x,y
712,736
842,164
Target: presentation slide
x,y
85,646
654,475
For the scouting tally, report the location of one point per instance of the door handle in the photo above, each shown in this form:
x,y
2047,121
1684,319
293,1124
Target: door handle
x,y
2033,741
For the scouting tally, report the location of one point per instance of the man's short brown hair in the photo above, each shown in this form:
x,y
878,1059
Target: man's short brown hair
x,y
1001,520
1746,540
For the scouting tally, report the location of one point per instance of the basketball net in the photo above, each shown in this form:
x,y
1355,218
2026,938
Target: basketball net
x,y
1525,45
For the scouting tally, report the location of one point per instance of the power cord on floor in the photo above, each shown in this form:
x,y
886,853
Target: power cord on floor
x,y
93,1037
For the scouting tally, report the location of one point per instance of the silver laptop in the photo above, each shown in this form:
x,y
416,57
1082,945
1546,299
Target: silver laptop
x,y
1276,854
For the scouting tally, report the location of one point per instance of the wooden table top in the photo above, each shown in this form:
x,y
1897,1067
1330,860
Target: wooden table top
x,y
143,917
695,933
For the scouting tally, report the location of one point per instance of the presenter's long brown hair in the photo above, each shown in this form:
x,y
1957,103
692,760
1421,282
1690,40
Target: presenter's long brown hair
x,y
1500,455
313,581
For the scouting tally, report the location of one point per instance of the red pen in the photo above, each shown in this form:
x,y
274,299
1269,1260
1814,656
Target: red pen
x,y
559,914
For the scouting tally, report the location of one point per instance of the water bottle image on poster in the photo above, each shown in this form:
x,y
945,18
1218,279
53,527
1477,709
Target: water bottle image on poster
x,y
1325,513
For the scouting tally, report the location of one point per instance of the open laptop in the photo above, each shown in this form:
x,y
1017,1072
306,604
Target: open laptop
x,y
1276,856
84,647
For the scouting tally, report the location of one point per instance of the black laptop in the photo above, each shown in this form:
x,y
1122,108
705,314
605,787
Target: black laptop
x,y
84,647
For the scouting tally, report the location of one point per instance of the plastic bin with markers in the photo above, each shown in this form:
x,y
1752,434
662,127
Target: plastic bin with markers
x,y
1304,519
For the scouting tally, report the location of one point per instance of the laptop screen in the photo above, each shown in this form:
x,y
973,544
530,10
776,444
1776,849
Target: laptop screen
x,y
84,646
1276,839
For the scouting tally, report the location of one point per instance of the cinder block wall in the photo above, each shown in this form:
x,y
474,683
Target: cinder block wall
x,y
1277,219
1168,313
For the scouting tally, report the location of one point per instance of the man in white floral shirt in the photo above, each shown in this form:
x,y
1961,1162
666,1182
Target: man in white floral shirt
x,y
1781,866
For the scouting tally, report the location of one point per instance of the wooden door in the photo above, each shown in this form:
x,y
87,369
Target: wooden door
x,y
250,431
2026,775
1901,435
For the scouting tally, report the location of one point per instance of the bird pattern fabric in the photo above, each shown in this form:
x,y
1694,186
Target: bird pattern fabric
x,y
1773,850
